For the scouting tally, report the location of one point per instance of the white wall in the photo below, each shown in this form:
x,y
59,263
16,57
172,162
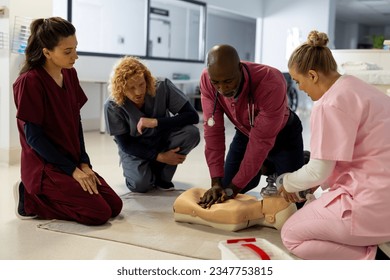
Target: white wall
x,y
9,63
4,87
238,32
280,15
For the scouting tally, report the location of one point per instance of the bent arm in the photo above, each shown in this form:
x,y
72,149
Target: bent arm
x,y
312,174
186,116
84,158
38,141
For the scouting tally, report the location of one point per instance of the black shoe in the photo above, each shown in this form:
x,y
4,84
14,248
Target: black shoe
x,y
19,202
306,156
300,204
164,185
380,255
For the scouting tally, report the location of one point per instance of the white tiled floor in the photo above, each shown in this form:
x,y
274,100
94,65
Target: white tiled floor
x,y
21,240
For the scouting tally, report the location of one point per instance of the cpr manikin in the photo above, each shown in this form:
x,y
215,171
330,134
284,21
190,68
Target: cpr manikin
x,y
234,214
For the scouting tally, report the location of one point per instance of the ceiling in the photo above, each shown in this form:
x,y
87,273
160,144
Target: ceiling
x,y
368,12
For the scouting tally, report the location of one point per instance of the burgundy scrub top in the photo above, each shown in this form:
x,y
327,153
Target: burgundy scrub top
x,y
41,101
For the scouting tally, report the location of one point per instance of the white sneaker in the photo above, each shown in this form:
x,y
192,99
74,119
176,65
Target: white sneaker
x,y
18,189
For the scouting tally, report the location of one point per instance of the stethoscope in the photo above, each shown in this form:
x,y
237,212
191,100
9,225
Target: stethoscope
x,y
251,103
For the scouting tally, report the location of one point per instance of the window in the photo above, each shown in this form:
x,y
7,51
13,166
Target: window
x,y
155,29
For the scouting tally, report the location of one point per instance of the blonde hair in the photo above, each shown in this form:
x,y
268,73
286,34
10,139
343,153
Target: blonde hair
x,y
313,55
125,71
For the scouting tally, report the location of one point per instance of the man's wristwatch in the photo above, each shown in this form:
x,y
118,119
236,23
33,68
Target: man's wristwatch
x,y
279,180
229,192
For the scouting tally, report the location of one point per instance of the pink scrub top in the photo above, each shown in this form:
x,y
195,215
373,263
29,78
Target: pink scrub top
x,y
350,124
41,101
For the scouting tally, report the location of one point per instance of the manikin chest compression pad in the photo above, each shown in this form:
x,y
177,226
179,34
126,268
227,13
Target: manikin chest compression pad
x,y
234,214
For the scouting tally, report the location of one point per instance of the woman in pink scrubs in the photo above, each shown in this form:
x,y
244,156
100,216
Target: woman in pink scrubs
x,y
57,177
350,158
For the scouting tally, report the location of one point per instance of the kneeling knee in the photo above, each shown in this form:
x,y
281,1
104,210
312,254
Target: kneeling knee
x,y
138,186
192,135
97,219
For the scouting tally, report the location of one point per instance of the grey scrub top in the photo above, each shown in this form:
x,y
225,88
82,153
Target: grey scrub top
x,y
124,119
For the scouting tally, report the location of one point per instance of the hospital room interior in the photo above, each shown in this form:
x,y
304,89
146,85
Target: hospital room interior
x,y
172,37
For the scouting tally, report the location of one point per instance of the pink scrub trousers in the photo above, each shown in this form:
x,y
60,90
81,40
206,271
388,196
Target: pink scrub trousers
x,y
316,232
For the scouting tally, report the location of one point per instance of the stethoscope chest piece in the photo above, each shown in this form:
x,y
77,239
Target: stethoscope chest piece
x,y
211,122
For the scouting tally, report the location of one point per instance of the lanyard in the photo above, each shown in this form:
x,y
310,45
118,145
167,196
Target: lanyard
x,y
251,103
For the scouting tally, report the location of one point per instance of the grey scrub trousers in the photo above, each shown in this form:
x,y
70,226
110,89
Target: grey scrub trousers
x,y
142,174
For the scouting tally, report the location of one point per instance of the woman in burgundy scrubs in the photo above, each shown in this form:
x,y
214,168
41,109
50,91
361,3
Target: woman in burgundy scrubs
x,y
57,177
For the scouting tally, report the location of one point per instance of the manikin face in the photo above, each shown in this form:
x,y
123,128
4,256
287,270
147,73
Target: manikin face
x,y
136,90
64,55
226,80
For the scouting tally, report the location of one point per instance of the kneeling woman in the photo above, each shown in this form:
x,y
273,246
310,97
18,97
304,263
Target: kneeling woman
x,y
57,177
350,157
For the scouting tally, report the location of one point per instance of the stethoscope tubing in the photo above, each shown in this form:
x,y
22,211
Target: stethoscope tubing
x,y
251,103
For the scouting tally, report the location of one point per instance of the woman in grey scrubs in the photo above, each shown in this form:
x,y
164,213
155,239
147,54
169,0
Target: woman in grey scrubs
x,y
152,122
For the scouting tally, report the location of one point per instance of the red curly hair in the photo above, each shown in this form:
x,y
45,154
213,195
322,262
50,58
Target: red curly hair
x,y
123,73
